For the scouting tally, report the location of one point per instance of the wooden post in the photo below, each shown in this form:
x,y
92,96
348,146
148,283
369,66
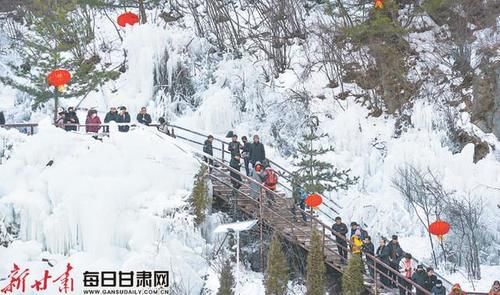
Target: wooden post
x,y
323,240
375,275
261,221
56,104
222,152
312,227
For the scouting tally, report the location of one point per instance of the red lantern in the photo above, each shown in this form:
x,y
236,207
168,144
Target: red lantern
x,y
439,228
59,78
127,18
314,200
379,4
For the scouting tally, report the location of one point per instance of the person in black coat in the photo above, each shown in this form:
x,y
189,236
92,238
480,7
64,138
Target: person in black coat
x,y
112,115
438,289
383,253
71,118
419,278
340,228
2,118
257,151
369,248
396,252
234,146
209,150
246,153
395,255
235,177
143,117
430,279
123,117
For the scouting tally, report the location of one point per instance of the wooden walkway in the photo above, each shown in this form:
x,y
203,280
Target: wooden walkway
x,y
279,217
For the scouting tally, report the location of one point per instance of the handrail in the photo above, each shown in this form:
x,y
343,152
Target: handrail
x,y
313,218
326,227
282,173
261,189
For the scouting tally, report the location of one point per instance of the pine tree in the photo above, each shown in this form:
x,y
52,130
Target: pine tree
x,y
316,266
226,280
199,197
314,174
61,36
276,278
352,279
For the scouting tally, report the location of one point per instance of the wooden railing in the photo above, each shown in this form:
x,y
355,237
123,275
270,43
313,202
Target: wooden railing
x,y
329,243
225,157
284,174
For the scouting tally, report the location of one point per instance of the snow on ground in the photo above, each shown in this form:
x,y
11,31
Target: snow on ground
x,y
251,283
118,204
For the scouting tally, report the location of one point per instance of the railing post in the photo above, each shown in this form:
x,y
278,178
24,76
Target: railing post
x,y
312,226
323,240
261,221
375,275
223,152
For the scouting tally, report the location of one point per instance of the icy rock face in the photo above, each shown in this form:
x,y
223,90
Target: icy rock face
x,y
119,201
486,106
496,114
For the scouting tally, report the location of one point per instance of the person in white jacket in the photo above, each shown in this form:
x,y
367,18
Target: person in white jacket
x,y
406,267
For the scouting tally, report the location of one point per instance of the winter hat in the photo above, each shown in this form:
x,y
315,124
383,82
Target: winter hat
x,y
439,283
420,266
394,237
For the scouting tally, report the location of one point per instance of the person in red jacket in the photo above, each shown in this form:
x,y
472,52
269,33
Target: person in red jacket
x,y
495,289
93,123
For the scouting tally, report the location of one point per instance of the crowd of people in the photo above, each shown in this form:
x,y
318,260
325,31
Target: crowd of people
x,y
394,257
68,120
257,167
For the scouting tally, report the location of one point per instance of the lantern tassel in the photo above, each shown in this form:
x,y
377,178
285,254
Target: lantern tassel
x,y
61,88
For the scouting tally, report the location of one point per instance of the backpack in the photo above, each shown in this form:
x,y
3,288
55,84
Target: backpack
x,y
271,178
299,194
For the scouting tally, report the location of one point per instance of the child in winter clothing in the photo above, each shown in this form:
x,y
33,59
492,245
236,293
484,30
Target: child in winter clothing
x,y
356,243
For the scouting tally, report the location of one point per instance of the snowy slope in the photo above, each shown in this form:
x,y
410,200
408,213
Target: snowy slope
x,y
364,144
119,204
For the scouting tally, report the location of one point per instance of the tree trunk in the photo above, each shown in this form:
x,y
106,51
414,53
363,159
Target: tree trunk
x,y
142,11
56,105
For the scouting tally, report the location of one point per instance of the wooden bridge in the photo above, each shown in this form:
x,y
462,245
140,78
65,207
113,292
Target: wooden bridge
x,y
277,215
